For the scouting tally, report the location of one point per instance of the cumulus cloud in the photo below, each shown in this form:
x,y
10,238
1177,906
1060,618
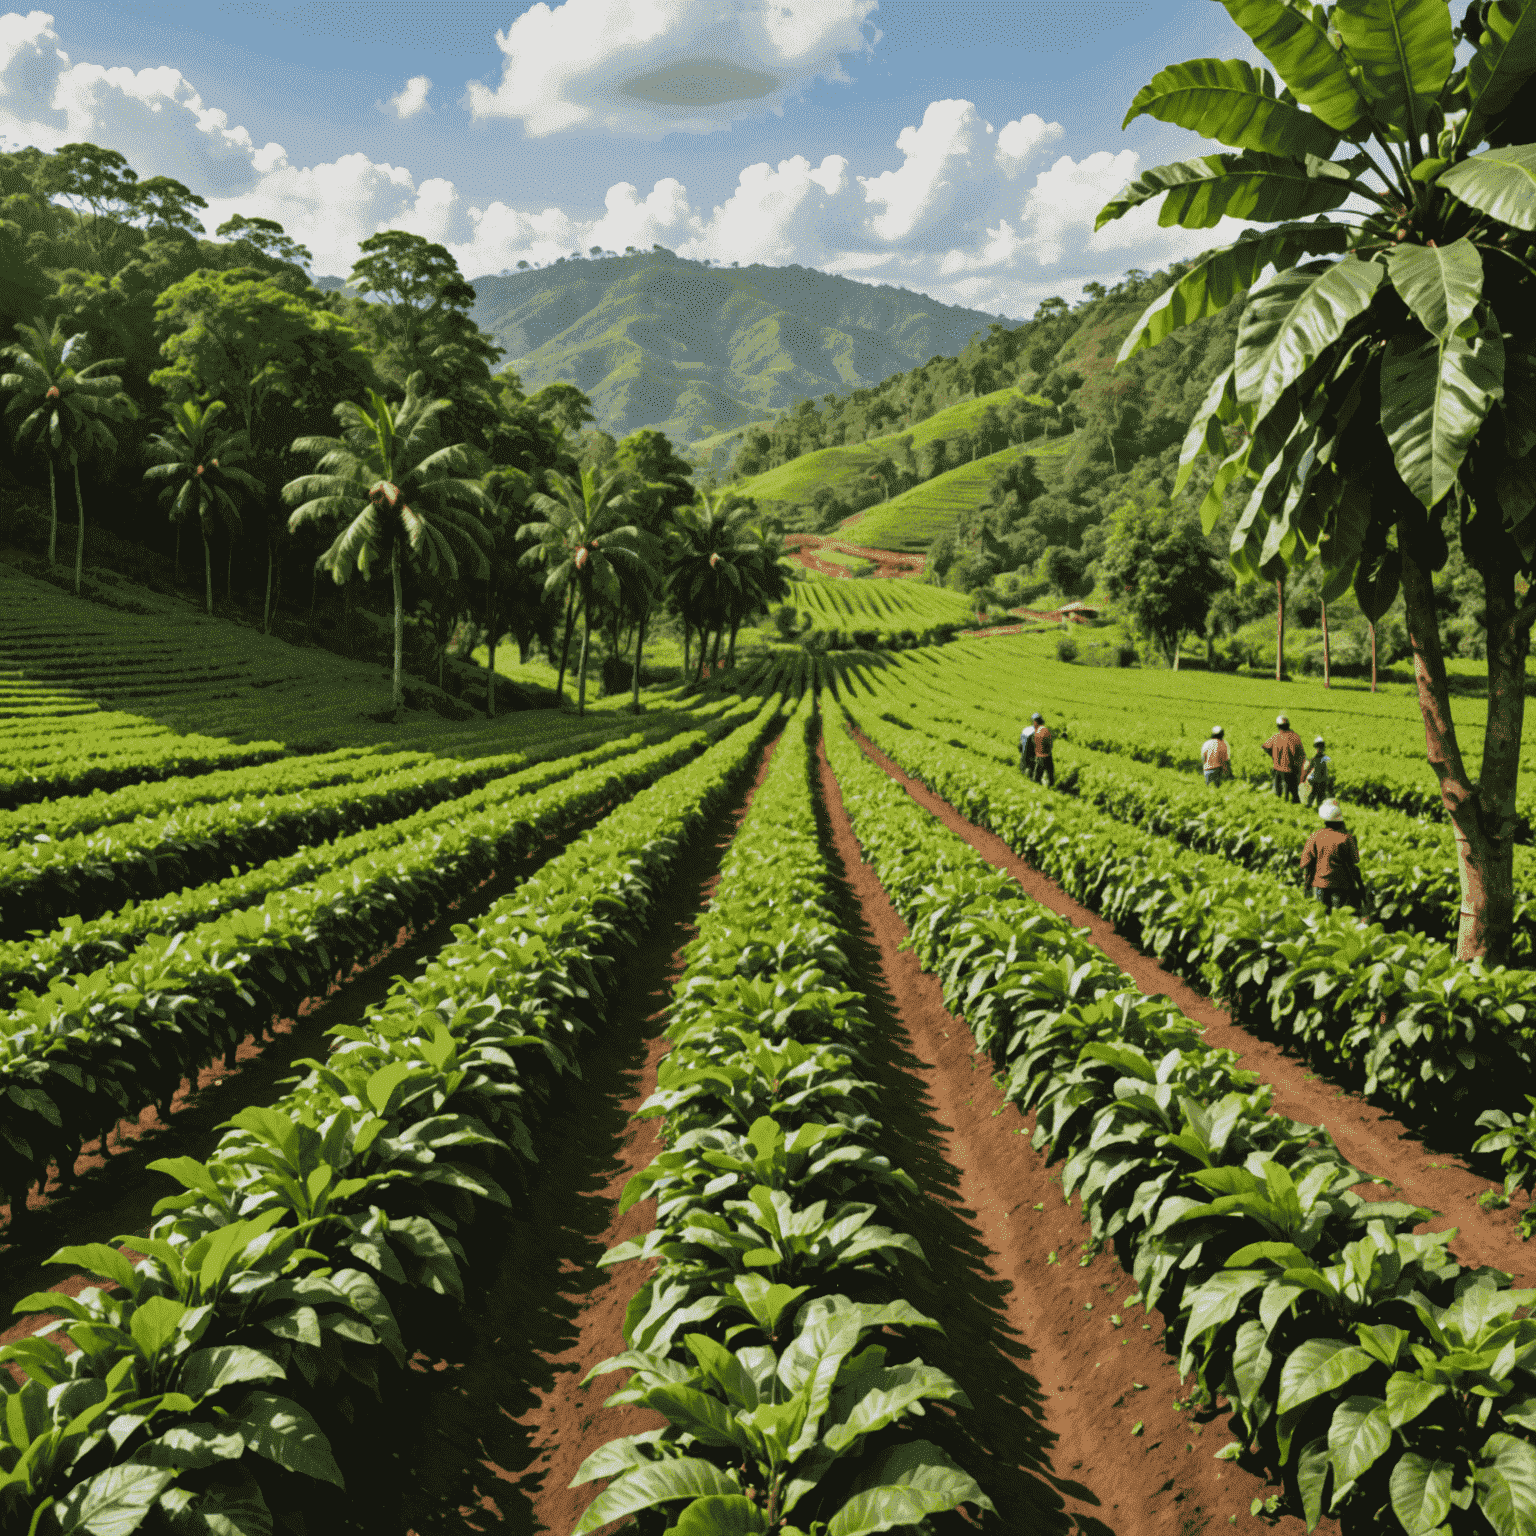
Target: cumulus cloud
x,y
653,67
412,99
30,61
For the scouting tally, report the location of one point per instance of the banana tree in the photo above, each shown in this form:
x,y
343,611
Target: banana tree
x,y
1383,389
409,497
200,464
64,404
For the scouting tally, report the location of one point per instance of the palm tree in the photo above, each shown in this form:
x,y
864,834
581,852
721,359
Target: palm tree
x,y
582,543
408,498
64,410
198,461
718,568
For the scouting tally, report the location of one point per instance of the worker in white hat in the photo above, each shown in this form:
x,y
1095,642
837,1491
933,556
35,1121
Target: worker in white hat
x,y
1287,755
1215,758
1317,775
1330,862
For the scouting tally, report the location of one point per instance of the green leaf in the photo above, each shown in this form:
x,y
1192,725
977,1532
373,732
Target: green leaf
x,y
1232,102
1421,1492
1312,1479
113,1503
1440,284
100,1259
1499,182
1203,191
1506,1485
1505,57
1318,1366
1357,1437
282,1431
1408,1396
909,1483
720,1514
1292,320
1205,434
1434,399
1212,283
1406,53
207,1370
706,1418
1294,38
659,1483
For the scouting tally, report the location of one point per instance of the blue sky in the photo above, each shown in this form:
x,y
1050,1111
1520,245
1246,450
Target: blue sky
x,y
956,147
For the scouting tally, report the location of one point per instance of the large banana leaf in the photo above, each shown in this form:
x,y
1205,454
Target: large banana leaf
x,y
1232,102
1294,38
1519,402
1499,182
1203,191
1406,53
1213,282
1292,320
1433,400
1505,57
1205,434
1440,284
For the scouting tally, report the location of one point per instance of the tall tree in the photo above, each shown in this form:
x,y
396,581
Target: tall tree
x,y
266,237
583,544
1159,561
1384,385
64,404
721,568
200,463
408,497
98,186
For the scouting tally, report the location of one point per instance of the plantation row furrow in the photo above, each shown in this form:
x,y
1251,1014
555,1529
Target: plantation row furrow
x,y
77,1057
1395,780
262,1309
50,820
1380,1380
86,761
782,1412
1392,1013
90,874
34,963
1410,867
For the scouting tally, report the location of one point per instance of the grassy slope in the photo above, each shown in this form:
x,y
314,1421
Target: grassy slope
x,y
881,603
912,520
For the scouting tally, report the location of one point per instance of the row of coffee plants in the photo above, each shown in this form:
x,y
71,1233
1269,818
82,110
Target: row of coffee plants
x,y
92,756
262,1313
34,963
87,875
1168,733
1410,866
782,1412
78,1056
1394,1014
1380,1380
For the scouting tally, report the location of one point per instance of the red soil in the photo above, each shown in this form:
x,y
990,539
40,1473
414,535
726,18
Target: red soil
x,y
803,547
1093,1382
1368,1137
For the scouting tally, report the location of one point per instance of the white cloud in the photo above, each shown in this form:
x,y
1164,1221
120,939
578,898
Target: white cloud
x,y
653,67
412,99
30,60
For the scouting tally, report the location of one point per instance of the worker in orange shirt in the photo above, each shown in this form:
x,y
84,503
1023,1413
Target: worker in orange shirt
x,y
1215,758
1330,862
1286,753
1045,766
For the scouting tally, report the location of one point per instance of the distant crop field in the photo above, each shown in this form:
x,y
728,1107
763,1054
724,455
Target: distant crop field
x,y
886,604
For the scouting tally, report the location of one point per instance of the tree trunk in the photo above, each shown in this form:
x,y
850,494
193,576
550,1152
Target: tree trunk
x,y
229,568
586,640
730,654
53,527
266,602
1482,817
687,644
79,531
397,696
639,651
714,655
314,592
1280,631
1373,658
565,645
1176,653
1325,645
490,652
207,572
176,561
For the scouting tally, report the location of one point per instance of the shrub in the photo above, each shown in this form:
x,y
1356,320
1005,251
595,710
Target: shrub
x,y
1066,648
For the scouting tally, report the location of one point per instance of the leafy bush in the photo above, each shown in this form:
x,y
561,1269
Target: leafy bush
x,y
1066,648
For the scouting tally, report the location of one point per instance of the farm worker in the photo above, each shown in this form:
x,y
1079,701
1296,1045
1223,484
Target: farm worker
x,y
1045,768
1027,749
1318,775
1330,862
1285,751
1215,759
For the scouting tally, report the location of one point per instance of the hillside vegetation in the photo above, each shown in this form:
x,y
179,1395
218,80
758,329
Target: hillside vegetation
x,y
693,350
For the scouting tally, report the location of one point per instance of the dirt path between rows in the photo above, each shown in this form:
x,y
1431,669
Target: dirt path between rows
x,y
1368,1137
1076,1400
504,1422
114,1190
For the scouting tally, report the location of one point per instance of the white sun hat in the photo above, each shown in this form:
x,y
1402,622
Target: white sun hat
x,y
1331,810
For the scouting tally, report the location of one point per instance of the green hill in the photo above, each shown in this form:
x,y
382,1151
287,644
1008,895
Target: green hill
x,y
912,520
693,350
